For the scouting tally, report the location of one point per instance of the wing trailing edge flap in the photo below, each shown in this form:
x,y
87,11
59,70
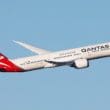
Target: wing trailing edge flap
x,y
32,48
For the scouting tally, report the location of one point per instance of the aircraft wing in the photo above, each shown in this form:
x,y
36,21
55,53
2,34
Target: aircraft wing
x,y
32,48
59,62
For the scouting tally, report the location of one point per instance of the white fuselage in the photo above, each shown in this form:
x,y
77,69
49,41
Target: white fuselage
x,y
66,57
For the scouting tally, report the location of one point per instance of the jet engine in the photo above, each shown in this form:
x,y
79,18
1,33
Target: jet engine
x,y
80,63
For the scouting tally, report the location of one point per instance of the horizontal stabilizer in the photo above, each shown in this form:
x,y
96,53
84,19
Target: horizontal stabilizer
x,y
32,48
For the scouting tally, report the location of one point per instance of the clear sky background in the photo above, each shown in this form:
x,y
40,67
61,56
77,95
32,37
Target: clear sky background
x,y
55,25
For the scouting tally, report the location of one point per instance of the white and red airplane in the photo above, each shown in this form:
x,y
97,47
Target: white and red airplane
x,y
78,58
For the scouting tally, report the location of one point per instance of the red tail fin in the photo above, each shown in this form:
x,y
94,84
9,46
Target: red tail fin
x,y
7,66
2,57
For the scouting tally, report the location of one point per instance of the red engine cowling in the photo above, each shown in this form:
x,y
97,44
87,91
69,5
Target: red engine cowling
x,y
7,66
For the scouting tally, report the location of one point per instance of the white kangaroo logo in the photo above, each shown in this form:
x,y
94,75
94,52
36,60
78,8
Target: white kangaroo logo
x,y
1,57
3,64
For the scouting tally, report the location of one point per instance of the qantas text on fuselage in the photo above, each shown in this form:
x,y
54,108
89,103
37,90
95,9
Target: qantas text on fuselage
x,y
78,58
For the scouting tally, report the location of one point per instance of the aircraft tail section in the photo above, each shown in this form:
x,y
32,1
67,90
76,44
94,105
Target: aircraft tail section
x,y
7,66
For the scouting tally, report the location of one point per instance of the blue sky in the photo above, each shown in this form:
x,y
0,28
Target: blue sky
x,y
55,25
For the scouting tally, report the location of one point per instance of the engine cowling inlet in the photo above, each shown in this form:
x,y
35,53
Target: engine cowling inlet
x,y
80,63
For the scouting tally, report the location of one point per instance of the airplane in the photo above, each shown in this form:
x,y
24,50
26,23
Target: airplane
x,y
78,58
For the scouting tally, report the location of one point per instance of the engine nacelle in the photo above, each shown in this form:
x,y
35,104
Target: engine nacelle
x,y
80,63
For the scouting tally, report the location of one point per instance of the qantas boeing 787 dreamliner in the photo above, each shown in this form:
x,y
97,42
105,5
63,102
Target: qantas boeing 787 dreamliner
x,y
78,58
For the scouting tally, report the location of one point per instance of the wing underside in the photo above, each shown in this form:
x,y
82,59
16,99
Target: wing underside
x,y
32,48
